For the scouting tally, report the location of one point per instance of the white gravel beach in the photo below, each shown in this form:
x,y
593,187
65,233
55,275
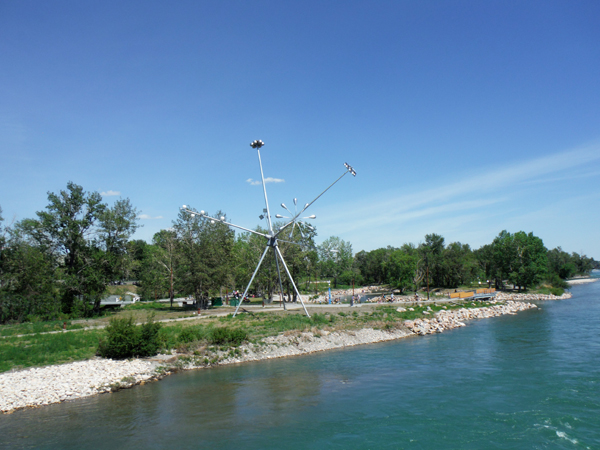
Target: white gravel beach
x,y
582,280
53,384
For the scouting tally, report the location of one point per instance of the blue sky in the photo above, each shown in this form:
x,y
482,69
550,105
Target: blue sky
x,y
461,118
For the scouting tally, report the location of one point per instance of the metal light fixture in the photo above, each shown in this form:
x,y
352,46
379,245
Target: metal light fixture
x,y
271,236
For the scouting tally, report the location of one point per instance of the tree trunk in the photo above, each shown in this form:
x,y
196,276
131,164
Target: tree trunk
x,y
171,293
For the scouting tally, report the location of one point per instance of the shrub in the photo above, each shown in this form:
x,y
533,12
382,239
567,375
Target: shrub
x,y
324,319
557,291
124,339
557,282
224,335
149,343
189,334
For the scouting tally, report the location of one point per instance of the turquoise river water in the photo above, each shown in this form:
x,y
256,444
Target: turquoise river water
x,y
529,381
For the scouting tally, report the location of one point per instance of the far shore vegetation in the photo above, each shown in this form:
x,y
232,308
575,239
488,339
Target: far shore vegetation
x,y
56,269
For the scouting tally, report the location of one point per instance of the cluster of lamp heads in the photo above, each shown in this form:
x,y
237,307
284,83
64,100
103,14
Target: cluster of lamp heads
x,y
350,169
257,144
295,222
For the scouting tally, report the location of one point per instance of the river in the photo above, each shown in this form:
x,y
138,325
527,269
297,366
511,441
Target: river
x,y
529,381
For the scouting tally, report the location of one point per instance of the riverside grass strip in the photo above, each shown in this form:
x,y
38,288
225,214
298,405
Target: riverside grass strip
x,y
48,349
37,327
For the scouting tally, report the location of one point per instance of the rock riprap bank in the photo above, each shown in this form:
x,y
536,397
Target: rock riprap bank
x,y
301,343
54,384
449,319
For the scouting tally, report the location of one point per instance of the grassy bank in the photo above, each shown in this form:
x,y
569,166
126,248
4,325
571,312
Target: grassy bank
x,y
203,338
47,349
37,327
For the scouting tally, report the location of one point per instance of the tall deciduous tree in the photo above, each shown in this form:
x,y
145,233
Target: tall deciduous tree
x,y
531,260
520,258
88,239
335,257
296,247
165,257
28,280
400,270
204,255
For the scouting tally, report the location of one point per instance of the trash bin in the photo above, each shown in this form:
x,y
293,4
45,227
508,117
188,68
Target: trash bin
x,y
234,302
217,301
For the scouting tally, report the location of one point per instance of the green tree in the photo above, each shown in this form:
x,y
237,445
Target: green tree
x,y
531,260
296,247
335,257
372,264
115,227
204,252
458,265
165,258
520,259
155,269
88,240
401,267
27,280
504,256
431,253
485,260
583,263
560,263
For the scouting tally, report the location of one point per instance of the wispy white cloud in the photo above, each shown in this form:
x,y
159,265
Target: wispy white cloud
x,y
457,204
110,193
267,180
148,217
579,175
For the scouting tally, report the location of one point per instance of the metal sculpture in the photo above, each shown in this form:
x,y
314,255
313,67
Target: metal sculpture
x,y
271,236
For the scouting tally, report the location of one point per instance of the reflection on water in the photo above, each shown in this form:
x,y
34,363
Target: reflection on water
x,y
525,381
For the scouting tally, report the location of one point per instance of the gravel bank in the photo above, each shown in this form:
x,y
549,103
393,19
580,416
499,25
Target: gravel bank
x,y
54,384
582,280
501,296
292,344
447,320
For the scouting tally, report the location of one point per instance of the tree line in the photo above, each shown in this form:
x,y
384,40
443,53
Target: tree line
x,y
61,263
518,259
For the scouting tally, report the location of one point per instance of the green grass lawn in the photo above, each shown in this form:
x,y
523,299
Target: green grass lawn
x,y
36,327
46,349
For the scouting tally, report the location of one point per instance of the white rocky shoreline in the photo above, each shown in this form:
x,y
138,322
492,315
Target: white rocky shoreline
x,y
37,387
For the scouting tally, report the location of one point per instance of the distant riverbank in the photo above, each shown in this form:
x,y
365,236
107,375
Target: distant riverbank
x,y
582,281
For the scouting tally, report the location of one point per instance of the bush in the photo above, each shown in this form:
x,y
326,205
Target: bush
x,y
224,335
189,334
149,342
126,340
324,319
557,282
